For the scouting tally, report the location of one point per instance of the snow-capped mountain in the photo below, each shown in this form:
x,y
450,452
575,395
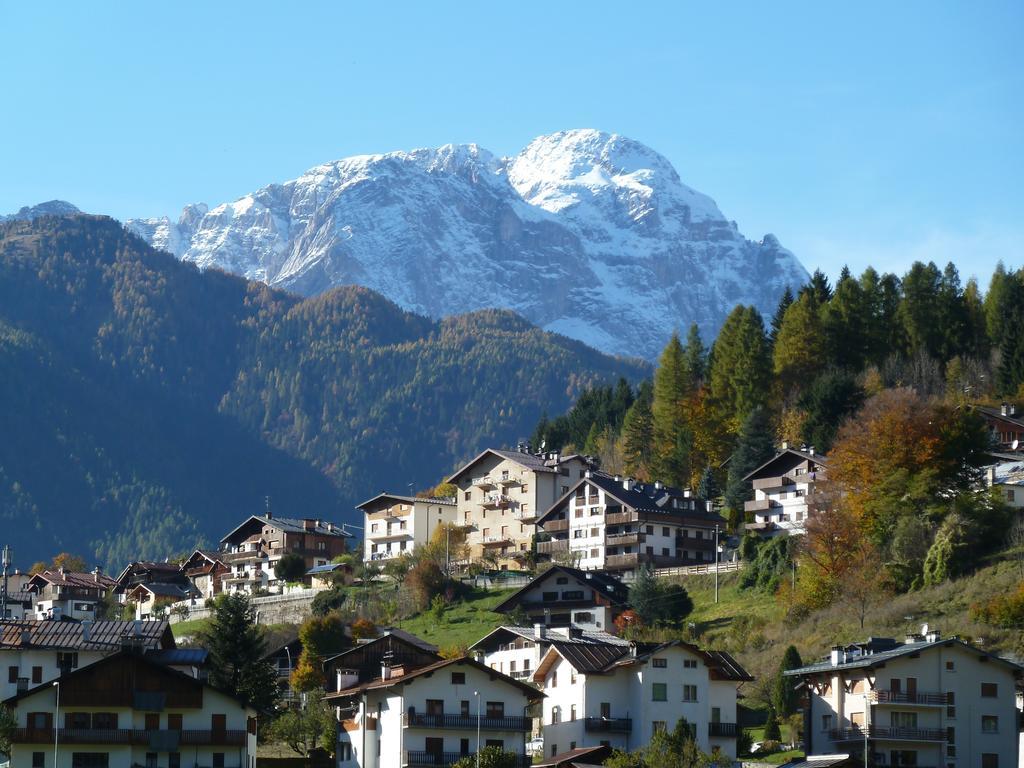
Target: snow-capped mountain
x,y
50,208
585,233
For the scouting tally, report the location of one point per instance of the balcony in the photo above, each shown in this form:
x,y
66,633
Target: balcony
x,y
516,723
230,558
550,547
690,542
621,539
723,730
502,540
608,724
888,734
484,481
633,559
135,736
778,483
554,526
524,516
391,535
510,479
496,501
615,518
915,699
761,505
443,759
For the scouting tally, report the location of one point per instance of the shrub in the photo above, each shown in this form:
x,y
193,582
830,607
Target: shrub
x,y
363,629
291,567
1005,611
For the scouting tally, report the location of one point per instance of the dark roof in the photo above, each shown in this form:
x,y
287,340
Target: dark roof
x,y
156,569
73,579
378,683
161,589
642,497
18,595
818,458
609,586
573,756
446,500
328,568
550,635
821,761
408,637
590,658
532,461
192,657
388,635
874,653
996,413
103,635
292,525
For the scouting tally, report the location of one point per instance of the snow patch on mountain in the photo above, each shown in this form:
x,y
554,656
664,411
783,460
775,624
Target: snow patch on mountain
x,y
589,234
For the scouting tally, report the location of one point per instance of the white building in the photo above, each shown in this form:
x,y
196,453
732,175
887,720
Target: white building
x,y
615,695
518,651
1008,479
431,715
611,523
68,594
926,702
501,494
206,571
125,711
396,525
563,596
36,652
782,487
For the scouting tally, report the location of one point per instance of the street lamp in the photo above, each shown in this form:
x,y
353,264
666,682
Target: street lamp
x,y
56,722
716,563
477,694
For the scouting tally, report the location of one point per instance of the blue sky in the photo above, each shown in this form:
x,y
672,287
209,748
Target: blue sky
x,y
858,133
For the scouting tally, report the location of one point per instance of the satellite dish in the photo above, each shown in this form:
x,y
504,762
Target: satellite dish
x,y
1014,445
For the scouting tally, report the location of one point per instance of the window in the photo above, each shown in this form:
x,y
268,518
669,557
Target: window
x,y
990,760
595,532
1010,496
38,759
67,660
37,674
826,722
951,735
556,714
595,553
458,678
665,532
76,720
657,725
903,719
464,708
463,747
650,529
152,721
572,712
689,693
989,724
495,709
12,674
218,723
989,690
549,597
173,722
106,721
435,706
565,489
689,663
574,594
951,666
467,495
554,750
91,760
218,760
151,760
659,692
659,663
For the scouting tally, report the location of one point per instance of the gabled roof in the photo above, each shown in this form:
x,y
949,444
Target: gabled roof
x,y
573,757
291,525
531,461
873,659
817,458
210,556
158,570
388,636
179,657
607,585
159,589
443,500
1009,473
550,635
70,635
642,497
77,579
379,683
997,413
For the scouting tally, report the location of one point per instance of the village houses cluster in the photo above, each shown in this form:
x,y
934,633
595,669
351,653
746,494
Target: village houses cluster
x,y
556,686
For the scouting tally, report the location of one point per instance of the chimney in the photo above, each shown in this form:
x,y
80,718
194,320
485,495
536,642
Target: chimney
x,y
785,445
137,628
811,450
86,630
990,475
1013,409
618,478
628,483
26,637
538,631
1003,409
838,655
587,474
309,525
96,574
932,635
385,671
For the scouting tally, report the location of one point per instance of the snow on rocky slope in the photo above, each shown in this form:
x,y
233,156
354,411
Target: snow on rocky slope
x,y
585,233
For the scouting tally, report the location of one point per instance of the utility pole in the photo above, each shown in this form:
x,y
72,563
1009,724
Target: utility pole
x,y
716,563
6,561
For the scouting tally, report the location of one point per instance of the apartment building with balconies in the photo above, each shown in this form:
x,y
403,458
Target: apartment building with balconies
x,y
61,594
929,701
782,489
253,549
128,710
611,523
619,694
431,716
501,493
395,525
562,596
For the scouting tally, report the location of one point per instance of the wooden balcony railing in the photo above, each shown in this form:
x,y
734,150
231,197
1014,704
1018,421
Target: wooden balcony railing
x,y
549,547
553,526
506,723
136,736
888,734
723,730
900,697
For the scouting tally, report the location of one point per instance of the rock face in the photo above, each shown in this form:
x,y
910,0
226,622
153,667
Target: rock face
x,y
51,208
584,233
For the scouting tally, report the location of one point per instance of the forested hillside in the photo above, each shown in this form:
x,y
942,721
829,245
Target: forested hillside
x,y
146,406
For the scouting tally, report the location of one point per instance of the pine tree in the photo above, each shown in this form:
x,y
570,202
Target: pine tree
x,y
707,488
237,649
780,312
818,288
845,325
671,386
1010,376
638,434
995,304
696,356
740,371
755,445
785,698
920,309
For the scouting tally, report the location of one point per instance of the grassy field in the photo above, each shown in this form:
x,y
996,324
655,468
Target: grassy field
x,y
188,628
463,623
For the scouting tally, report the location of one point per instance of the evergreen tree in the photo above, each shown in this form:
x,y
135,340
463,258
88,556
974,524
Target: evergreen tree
x,y
780,312
818,288
996,304
671,387
740,369
785,698
1010,376
638,434
832,397
696,356
237,649
707,488
920,310
755,445
845,323
976,342
800,349
644,594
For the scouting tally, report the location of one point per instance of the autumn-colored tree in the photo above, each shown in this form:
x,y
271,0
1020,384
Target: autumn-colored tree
x,y
638,435
363,629
425,580
828,547
321,636
672,387
69,562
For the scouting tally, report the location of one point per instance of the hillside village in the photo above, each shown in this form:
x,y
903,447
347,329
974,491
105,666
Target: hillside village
x,y
590,662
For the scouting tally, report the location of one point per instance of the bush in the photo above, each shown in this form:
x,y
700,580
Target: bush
x,y
327,601
425,580
1005,611
291,567
363,629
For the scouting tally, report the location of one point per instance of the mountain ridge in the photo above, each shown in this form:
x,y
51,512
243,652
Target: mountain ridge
x,y
585,233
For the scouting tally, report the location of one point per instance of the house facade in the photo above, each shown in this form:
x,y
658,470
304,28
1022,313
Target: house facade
x,y
611,523
611,695
364,661
502,493
562,596
1008,479
396,525
1006,424
431,716
125,711
254,548
206,570
926,701
36,652
68,594
782,488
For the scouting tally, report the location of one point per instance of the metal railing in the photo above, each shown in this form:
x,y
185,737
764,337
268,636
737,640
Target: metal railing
x,y
723,730
504,723
444,759
137,736
609,724
904,697
889,734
